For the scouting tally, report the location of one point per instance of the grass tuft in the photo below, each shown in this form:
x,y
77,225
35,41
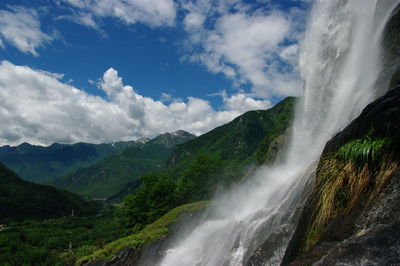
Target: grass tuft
x,y
341,186
151,233
364,151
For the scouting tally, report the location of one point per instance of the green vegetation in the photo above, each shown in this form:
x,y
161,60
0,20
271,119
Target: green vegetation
x,y
196,169
200,167
358,170
151,233
20,199
111,174
203,177
160,192
228,152
240,140
43,164
151,200
364,151
47,242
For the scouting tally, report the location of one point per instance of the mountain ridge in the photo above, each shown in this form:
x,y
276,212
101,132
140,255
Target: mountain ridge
x,y
111,174
42,163
20,199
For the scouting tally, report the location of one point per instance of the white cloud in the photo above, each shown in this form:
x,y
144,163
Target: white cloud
x,y
86,19
20,27
153,13
242,103
193,21
168,98
37,107
249,44
254,46
289,53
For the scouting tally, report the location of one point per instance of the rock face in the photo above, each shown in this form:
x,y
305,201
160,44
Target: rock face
x,y
377,237
353,214
382,116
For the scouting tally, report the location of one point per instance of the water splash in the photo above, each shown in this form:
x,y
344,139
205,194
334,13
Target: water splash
x,y
340,64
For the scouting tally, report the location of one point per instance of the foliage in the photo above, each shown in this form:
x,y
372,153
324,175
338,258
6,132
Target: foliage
x,y
364,151
20,199
213,161
202,178
340,186
240,139
233,146
43,164
265,151
197,169
150,233
152,199
111,174
46,242
159,192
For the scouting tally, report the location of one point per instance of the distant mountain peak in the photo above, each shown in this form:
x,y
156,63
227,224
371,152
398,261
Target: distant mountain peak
x,y
182,133
142,140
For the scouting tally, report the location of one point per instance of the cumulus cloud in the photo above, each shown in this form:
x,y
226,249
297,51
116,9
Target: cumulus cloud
x,y
242,103
153,13
37,107
20,27
253,46
251,43
193,21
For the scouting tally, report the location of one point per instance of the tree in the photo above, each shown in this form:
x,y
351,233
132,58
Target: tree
x,y
200,180
154,197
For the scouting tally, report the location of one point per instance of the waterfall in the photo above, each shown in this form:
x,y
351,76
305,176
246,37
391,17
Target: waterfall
x,y
340,63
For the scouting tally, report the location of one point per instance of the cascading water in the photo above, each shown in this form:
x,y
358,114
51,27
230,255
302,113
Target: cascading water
x,y
340,63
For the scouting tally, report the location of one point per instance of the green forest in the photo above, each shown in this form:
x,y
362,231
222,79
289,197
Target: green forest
x,y
190,170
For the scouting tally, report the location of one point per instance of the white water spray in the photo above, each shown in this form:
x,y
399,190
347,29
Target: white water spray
x,y
340,63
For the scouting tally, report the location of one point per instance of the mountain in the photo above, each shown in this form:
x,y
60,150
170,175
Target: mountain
x,y
20,199
195,168
111,174
243,140
351,216
41,164
227,152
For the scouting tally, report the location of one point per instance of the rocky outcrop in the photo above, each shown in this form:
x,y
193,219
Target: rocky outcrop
x,y
352,216
376,238
381,116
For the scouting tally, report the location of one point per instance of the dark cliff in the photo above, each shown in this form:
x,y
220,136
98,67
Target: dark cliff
x,y
352,216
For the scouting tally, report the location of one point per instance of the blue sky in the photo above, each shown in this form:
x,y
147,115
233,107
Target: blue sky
x,y
108,70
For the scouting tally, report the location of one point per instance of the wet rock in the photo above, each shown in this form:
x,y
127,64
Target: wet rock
x,y
368,234
377,241
382,116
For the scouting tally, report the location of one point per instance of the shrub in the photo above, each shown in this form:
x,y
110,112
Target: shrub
x,y
364,151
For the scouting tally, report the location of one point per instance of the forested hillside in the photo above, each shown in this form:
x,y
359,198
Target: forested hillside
x,y
20,199
42,164
111,174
